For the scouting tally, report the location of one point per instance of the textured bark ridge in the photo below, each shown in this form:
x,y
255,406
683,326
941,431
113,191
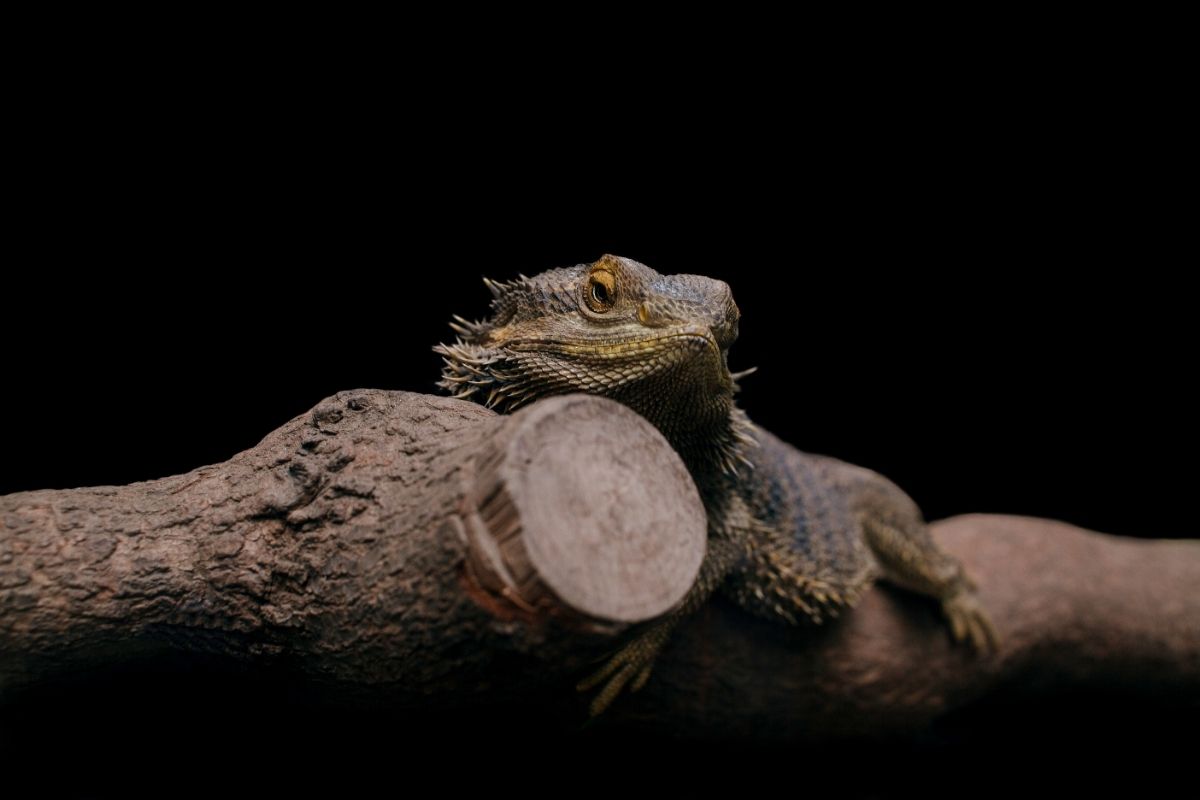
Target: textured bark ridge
x,y
427,551
385,539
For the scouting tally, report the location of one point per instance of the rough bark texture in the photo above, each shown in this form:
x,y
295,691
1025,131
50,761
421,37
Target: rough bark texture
x,y
386,539
414,548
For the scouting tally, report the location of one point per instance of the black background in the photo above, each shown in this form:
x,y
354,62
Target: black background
x,y
1017,339
982,295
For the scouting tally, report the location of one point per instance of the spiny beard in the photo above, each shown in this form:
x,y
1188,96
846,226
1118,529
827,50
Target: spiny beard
x,y
482,374
491,377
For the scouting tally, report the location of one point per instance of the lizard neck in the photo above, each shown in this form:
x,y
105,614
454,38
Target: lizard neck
x,y
713,445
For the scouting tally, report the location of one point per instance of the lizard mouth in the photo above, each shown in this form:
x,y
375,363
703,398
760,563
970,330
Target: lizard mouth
x,y
621,347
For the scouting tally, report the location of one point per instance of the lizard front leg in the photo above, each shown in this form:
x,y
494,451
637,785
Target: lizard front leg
x,y
632,664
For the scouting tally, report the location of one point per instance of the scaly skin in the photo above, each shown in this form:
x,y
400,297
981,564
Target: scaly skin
x,y
791,536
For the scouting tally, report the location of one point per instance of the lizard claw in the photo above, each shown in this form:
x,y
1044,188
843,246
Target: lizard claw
x,y
628,667
970,623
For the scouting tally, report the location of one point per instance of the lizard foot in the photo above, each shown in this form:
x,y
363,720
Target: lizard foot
x,y
630,666
969,622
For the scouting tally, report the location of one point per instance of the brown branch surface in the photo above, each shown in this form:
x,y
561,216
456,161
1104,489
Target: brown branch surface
x,y
1076,609
386,539
430,552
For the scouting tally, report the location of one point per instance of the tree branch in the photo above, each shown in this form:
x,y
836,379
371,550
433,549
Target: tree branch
x,y
1076,609
427,551
386,539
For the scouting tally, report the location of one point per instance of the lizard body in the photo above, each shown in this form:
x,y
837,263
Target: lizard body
x,y
790,535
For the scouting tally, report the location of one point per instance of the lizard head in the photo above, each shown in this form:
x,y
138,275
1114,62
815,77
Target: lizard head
x,y
658,343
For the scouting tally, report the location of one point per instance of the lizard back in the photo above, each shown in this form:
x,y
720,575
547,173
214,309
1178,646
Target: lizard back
x,y
808,540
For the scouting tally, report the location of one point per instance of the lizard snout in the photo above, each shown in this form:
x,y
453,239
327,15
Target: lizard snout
x,y
693,299
725,322
726,329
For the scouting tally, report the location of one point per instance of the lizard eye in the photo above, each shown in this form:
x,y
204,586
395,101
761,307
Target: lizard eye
x,y
601,291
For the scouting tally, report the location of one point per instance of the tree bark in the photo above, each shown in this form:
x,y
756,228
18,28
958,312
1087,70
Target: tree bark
x,y
1075,609
427,551
386,539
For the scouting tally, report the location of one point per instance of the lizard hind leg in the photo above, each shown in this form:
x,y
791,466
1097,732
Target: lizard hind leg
x,y
969,622
910,559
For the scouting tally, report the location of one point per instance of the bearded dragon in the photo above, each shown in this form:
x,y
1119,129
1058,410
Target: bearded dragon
x,y
791,536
